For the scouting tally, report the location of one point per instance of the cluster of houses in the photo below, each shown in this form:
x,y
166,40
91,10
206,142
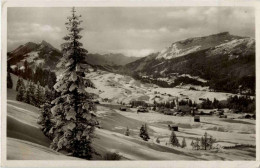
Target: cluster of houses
x,y
181,110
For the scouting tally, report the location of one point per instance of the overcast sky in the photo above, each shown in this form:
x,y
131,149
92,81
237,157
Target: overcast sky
x,y
131,31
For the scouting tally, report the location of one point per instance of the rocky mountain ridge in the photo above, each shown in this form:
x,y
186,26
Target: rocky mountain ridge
x,y
225,61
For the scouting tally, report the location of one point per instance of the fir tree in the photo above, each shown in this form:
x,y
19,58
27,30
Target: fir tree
x,y
127,132
196,144
157,140
192,144
144,133
46,117
31,94
9,81
38,95
174,140
207,141
211,141
27,98
183,143
21,91
74,109
19,82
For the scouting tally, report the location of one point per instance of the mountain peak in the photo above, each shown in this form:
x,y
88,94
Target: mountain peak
x,y
28,44
44,42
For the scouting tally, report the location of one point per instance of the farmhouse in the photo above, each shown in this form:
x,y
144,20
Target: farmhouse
x,y
205,112
173,127
196,118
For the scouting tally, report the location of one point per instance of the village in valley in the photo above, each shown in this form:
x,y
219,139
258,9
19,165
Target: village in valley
x,y
59,106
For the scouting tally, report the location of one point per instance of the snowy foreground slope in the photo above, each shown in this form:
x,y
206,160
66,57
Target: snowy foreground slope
x,y
26,141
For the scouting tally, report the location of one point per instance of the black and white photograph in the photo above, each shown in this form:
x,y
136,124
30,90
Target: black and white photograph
x,y
92,83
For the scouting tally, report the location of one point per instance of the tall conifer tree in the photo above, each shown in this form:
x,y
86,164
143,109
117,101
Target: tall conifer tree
x,y
18,84
74,109
38,95
174,140
45,119
9,81
21,91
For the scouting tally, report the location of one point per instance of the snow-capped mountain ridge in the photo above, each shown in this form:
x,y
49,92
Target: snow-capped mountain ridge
x,y
190,45
225,61
45,55
36,54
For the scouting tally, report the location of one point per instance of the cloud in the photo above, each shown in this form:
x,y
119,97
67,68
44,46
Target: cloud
x,y
150,32
22,32
45,28
134,30
135,53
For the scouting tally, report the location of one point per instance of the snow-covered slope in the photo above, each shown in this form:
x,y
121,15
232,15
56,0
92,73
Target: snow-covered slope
x,y
175,51
234,48
120,88
31,151
26,142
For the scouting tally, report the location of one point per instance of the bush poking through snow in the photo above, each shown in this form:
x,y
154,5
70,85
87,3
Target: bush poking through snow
x,y
183,143
127,132
112,156
157,140
205,143
144,133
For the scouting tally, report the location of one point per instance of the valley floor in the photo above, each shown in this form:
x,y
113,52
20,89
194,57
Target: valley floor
x,y
25,140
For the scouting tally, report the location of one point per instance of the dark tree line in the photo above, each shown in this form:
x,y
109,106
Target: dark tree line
x,y
244,85
168,104
30,93
136,103
208,104
242,103
45,77
172,104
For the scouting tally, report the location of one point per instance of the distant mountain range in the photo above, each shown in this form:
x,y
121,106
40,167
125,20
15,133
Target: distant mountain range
x,y
223,62
111,59
226,62
45,55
